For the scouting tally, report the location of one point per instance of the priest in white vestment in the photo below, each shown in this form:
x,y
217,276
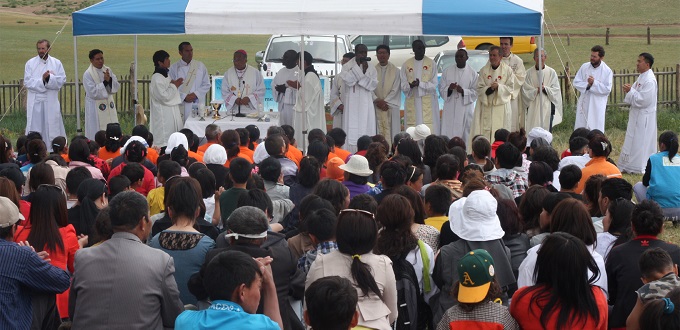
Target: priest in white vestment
x,y
336,97
43,77
517,66
285,95
196,83
387,96
640,141
494,93
165,100
359,81
310,112
537,98
594,81
419,84
100,84
458,88
242,86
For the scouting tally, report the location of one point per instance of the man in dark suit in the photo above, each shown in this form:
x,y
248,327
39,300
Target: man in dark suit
x,y
123,283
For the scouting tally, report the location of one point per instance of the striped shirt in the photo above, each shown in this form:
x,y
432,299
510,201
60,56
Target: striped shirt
x,y
23,272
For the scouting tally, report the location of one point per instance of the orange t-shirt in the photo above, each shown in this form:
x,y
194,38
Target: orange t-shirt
x,y
198,157
597,165
342,153
152,155
205,147
245,151
250,160
294,154
106,155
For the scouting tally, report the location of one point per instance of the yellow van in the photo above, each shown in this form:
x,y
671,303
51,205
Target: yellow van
x,y
521,45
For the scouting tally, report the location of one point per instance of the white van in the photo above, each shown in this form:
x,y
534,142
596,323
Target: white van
x,y
400,46
322,48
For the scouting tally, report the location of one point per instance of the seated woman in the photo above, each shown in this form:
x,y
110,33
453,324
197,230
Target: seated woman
x,y
662,177
186,245
371,275
600,148
616,225
564,295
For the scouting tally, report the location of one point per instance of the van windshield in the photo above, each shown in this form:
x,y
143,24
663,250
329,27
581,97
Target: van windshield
x,y
321,48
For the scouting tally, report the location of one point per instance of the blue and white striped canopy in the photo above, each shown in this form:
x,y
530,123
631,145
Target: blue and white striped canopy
x,y
393,17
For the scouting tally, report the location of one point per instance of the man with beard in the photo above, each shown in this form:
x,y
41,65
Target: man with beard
x,y
43,77
419,83
594,81
494,91
458,89
286,96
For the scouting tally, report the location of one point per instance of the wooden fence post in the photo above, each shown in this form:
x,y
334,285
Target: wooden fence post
x,y
649,36
22,96
677,84
567,83
606,37
568,40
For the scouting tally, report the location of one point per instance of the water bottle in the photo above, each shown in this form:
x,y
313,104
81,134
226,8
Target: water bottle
x,y
194,108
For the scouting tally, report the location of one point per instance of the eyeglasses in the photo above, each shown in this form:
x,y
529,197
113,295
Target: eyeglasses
x,y
358,211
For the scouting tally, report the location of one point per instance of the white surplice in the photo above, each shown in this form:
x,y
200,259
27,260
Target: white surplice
x,y
517,65
242,83
388,90
165,109
196,80
337,99
458,108
95,90
421,106
640,141
43,111
313,109
493,111
537,106
358,118
591,105
286,101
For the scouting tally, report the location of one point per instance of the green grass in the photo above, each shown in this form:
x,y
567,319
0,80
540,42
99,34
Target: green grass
x,y
611,12
215,51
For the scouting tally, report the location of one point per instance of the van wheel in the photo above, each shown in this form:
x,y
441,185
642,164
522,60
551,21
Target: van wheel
x,y
484,47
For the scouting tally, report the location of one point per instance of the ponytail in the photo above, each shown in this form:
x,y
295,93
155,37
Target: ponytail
x,y
361,273
670,140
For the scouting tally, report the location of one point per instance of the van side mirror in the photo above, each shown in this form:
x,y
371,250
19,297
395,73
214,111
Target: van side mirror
x,y
259,56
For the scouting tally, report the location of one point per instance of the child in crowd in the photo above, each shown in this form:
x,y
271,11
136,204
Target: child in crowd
x,y
660,277
331,304
321,228
477,292
155,198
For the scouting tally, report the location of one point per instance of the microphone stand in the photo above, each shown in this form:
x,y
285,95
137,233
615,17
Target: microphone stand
x,y
239,114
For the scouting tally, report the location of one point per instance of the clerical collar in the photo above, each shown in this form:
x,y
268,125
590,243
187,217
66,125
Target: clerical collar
x,y
536,66
460,67
495,67
595,66
185,63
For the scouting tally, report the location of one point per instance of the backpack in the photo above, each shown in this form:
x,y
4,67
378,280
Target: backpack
x,y
414,312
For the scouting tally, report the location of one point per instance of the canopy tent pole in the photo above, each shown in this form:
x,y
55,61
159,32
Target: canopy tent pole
x,y
134,111
540,77
335,39
301,80
75,65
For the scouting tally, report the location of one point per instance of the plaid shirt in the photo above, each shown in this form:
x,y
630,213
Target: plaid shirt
x,y
510,178
487,315
324,248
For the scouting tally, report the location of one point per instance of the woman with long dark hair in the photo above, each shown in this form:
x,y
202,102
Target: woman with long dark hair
x,y
91,199
397,240
79,155
50,231
423,232
616,225
564,296
371,274
409,148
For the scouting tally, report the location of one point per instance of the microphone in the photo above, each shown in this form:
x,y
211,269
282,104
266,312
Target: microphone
x,y
365,59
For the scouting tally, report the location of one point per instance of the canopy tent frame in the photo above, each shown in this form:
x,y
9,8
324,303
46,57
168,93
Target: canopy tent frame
x,y
301,17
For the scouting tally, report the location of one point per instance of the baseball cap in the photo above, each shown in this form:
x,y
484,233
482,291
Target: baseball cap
x,y
10,214
475,274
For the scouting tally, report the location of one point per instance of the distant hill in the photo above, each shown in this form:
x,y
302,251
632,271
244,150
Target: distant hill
x,y
46,7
